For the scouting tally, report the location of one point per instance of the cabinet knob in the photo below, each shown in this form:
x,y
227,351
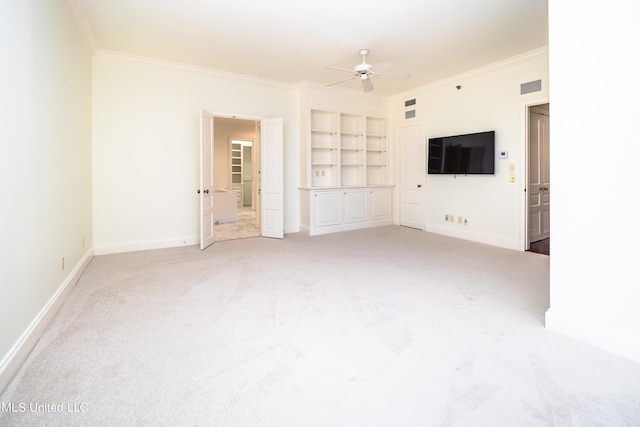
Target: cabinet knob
x,y
419,185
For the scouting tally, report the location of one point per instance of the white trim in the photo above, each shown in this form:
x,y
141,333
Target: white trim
x,y
16,356
523,233
144,245
473,236
487,69
608,339
104,53
75,8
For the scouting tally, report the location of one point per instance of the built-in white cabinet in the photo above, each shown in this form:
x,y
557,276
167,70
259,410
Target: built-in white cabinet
x,y
326,208
346,161
333,210
354,205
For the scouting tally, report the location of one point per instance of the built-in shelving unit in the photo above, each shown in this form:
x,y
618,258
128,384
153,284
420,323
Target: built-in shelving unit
x,y
352,163
236,170
324,148
347,150
377,148
346,171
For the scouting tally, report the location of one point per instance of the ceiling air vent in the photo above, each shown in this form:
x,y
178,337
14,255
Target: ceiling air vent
x,y
410,102
410,114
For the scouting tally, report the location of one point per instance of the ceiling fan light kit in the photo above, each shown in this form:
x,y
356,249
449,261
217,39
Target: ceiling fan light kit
x,y
366,72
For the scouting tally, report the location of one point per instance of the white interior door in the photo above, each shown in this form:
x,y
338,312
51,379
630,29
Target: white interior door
x,y
257,173
205,191
539,190
271,178
412,175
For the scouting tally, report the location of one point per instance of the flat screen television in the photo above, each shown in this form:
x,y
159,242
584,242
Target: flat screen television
x,y
473,153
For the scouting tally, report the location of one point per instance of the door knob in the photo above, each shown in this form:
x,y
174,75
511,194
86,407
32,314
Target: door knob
x,y
419,185
206,191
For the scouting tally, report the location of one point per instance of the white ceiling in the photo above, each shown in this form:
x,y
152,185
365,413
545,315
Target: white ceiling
x,y
295,40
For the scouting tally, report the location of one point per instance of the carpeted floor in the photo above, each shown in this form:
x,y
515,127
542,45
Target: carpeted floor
x,y
382,327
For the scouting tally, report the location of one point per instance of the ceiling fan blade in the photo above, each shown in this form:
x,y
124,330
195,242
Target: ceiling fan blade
x,y
341,81
340,69
367,85
394,76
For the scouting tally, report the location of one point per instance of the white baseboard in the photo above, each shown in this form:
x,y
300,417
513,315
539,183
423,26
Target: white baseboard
x,y
608,339
123,247
288,229
21,349
474,236
118,248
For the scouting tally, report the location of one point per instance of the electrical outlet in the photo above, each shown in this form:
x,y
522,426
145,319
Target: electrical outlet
x,y
451,217
512,177
459,220
446,218
465,221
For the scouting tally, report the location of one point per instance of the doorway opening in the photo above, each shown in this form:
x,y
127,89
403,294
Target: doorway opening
x,y
236,166
215,175
538,189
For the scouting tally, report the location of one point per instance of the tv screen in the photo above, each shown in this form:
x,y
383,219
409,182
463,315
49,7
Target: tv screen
x,y
472,153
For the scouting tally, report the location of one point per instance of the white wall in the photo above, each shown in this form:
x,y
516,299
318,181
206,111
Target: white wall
x,y
595,150
45,172
489,99
145,142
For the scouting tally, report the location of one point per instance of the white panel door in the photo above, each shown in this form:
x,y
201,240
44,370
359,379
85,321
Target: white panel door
x,y
207,228
412,176
539,179
271,178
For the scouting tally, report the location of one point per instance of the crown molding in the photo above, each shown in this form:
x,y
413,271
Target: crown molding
x,y
75,8
112,54
542,52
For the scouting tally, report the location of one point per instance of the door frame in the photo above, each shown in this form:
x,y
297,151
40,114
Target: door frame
x,y
524,201
257,154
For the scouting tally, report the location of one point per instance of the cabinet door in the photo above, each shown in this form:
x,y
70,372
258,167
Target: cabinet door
x,y
355,206
380,204
326,208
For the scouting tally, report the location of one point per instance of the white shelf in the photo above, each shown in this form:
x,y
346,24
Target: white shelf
x,y
341,147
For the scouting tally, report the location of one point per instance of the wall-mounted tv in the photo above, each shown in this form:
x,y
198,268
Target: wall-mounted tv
x,y
472,153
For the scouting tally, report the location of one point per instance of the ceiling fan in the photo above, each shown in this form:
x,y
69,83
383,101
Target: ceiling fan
x,y
365,72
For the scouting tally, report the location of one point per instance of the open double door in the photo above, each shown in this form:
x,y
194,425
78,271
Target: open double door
x,y
270,179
